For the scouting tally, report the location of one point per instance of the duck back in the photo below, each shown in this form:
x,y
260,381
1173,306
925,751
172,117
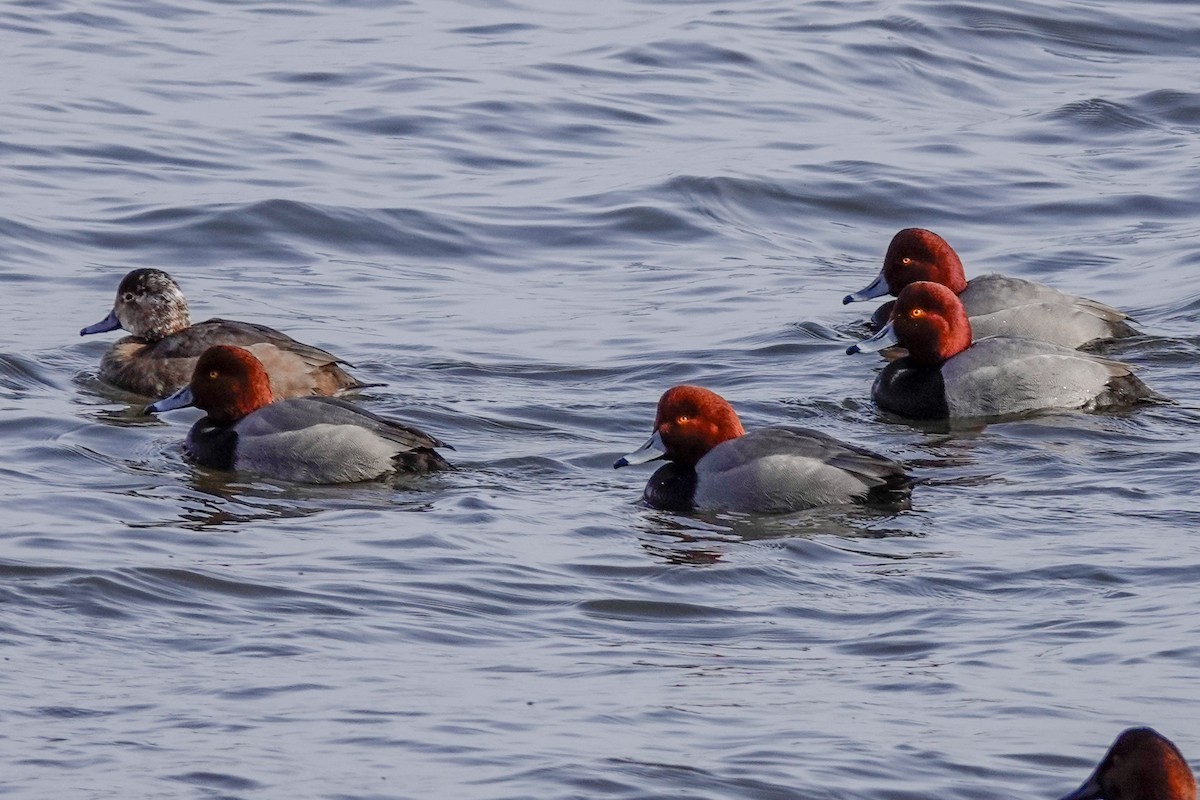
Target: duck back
x,y
158,368
784,468
1002,376
1002,306
315,440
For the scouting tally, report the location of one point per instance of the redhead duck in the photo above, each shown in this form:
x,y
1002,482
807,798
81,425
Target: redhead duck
x,y
944,375
160,355
1142,764
997,305
715,465
302,439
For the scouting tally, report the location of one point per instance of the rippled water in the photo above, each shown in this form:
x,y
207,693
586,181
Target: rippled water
x,y
527,219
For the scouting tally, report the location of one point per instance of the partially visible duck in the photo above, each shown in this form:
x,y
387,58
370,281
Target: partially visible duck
x,y
302,439
715,465
944,375
1142,764
160,355
997,305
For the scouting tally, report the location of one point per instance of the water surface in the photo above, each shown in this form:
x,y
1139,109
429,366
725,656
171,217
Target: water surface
x,y
527,219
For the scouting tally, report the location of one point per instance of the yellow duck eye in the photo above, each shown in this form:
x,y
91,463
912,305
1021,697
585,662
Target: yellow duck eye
x,y
212,374
682,418
906,261
916,313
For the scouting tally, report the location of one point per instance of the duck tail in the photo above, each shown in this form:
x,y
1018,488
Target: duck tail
x,y
1127,390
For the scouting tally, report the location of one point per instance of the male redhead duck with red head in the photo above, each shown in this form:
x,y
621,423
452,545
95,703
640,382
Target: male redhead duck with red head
x,y
997,305
302,439
945,376
1142,764
161,354
716,465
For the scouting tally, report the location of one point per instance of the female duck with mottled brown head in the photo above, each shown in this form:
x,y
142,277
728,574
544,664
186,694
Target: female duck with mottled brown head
x,y
715,465
302,439
161,354
1142,764
997,305
945,376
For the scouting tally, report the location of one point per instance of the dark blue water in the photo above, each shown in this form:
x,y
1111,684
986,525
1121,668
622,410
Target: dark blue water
x,y
527,220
